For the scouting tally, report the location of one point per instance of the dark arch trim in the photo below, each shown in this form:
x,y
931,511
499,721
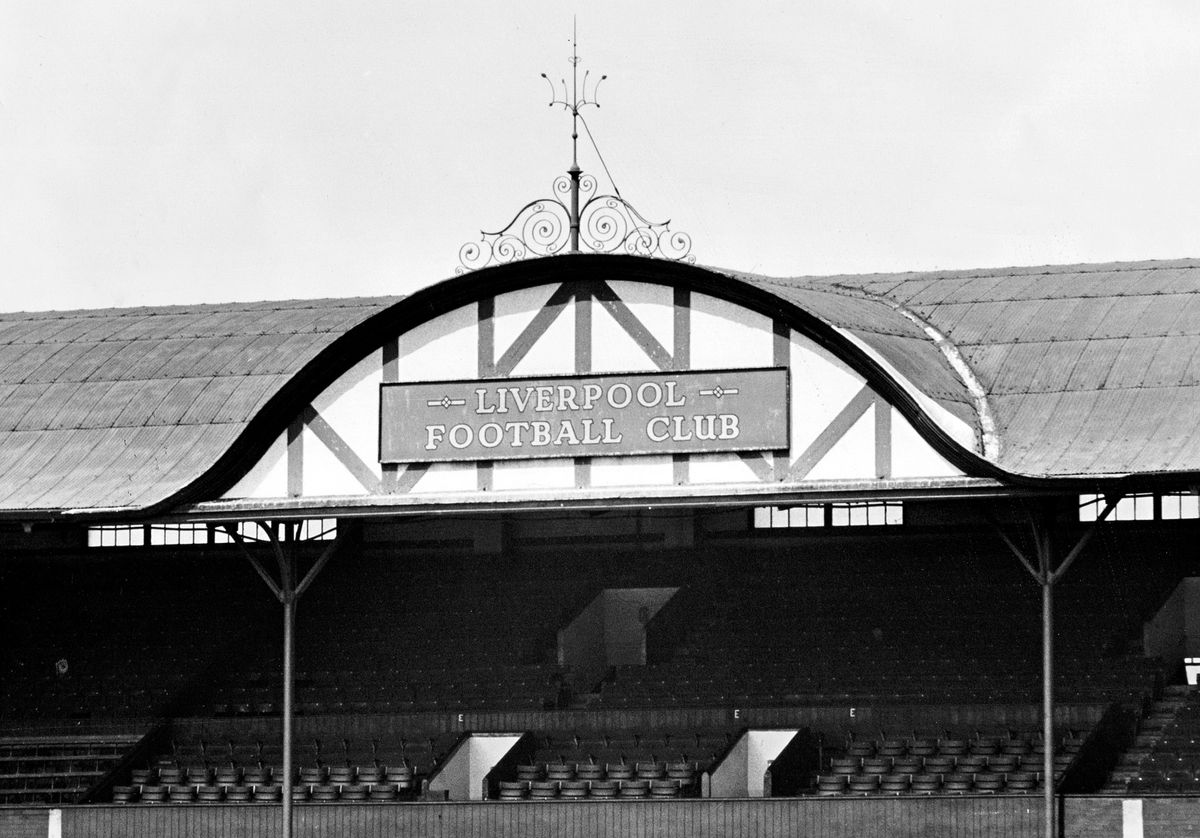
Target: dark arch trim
x,y
444,297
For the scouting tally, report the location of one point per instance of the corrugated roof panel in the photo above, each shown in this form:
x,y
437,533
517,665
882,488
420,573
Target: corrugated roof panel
x,y
1038,367
140,407
213,397
1177,280
956,290
94,464
36,331
1152,413
152,326
910,358
179,397
106,412
1131,361
111,475
1093,433
1188,321
1022,421
73,412
277,356
149,359
1093,366
202,447
91,362
1177,367
20,399
45,465
78,329
49,402
58,365
249,395
224,356
38,355
1125,318
13,366
17,444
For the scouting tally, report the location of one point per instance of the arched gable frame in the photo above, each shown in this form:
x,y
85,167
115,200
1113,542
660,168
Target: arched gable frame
x,y
578,292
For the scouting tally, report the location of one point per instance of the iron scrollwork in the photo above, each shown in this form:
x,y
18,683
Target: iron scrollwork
x,y
607,224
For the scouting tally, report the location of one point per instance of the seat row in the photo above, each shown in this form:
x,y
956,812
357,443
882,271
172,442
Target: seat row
x,y
681,773
267,793
629,789
403,776
928,783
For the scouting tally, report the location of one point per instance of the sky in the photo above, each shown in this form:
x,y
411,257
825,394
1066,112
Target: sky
x,y
164,153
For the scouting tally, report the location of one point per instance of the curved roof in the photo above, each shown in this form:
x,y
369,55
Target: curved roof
x,y
123,407
1081,370
1084,371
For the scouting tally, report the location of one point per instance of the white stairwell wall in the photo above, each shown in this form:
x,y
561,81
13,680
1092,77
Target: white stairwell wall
x,y
1174,632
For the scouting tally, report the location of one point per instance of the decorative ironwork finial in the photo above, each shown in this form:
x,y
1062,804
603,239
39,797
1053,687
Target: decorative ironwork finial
x,y
604,223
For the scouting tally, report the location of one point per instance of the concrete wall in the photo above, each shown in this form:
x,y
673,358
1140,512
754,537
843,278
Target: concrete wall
x,y
1174,632
461,775
741,772
610,631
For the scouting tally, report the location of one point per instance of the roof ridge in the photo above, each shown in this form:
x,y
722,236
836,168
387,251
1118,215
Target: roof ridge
x,y
988,429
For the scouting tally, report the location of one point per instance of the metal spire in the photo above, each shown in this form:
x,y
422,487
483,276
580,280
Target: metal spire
x,y
604,223
573,104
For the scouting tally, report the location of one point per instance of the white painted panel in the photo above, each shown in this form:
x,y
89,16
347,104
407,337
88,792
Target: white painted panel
x,y
461,776
853,457
324,474
613,350
515,475
1132,821
447,477
912,456
351,407
486,751
719,468
821,387
653,305
726,336
444,348
553,353
729,775
516,310
632,471
268,478
764,747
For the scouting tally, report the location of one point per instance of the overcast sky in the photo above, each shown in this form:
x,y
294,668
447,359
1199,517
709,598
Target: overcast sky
x,y
155,153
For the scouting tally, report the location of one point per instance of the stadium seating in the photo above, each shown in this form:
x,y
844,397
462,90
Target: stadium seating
x,y
1009,761
616,765
245,772
780,623
56,769
1165,756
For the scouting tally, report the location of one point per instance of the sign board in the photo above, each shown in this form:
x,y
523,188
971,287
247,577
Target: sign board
x,y
584,416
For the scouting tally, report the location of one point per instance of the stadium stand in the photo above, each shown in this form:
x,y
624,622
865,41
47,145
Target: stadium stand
x,y
1165,755
603,630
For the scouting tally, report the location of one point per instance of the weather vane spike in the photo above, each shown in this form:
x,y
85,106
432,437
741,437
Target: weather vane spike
x,y
606,223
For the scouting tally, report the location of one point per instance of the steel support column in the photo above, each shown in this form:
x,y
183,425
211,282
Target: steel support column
x,y
289,675
1048,809
288,592
1045,574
